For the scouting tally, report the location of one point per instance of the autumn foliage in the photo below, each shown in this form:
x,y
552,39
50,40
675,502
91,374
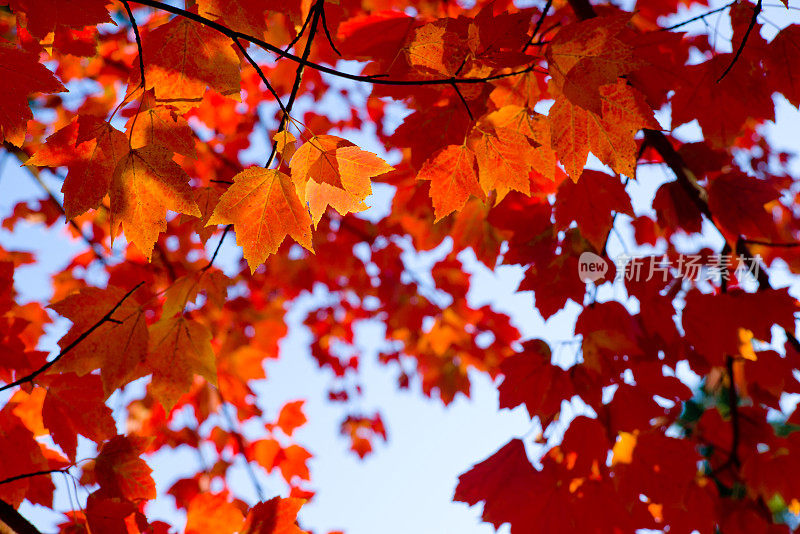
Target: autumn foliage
x,y
177,127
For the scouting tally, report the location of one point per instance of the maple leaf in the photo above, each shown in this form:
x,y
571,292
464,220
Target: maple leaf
x,y
505,159
182,58
117,347
737,202
575,131
161,125
780,60
213,512
532,380
433,47
291,417
454,177
553,278
590,202
90,149
43,16
722,106
675,209
246,16
76,405
329,170
285,144
275,516
586,55
504,481
23,75
263,206
147,183
712,322
22,455
121,473
179,349
186,289
106,514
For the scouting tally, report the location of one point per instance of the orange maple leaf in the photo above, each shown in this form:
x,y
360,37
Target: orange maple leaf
x,y
179,349
329,170
275,516
147,183
116,347
264,208
575,131
454,177
76,405
182,58
121,473
505,160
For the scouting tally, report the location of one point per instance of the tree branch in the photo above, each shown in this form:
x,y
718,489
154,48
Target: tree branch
x,y
374,79
539,23
698,17
14,520
34,474
316,13
240,441
138,40
733,402
327,32
756,11
30,377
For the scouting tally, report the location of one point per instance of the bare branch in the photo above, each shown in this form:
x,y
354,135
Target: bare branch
x,y
698,17
539,23
327,32
378,79
14,520
138,40
32,376
463,101
34,474
756,11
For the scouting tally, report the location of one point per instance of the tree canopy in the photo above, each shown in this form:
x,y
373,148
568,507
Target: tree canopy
x,y
518,133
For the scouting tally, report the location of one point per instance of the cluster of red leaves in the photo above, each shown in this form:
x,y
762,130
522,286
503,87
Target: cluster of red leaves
x,y
505,105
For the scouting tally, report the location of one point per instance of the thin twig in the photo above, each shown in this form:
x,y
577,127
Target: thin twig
x,y
788,244
312,31
34,474
327,32
756,11
698,17
260,74
228,228
463,101
233,428
539,23
297,37
138,40
142,82
30,377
